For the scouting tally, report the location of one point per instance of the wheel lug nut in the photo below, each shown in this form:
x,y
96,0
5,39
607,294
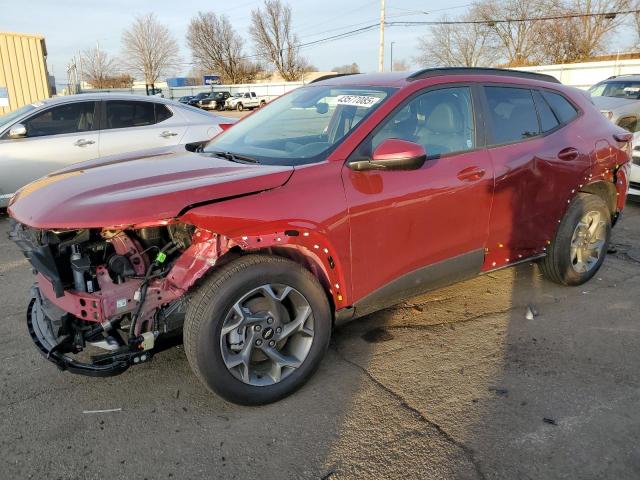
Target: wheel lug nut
x,y
272,343
278,330
257,328
258,342
269,320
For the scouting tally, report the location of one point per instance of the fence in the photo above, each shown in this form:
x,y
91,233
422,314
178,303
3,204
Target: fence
x,y
269,90
583,75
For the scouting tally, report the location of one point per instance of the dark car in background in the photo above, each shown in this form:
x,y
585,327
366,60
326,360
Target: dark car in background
x,y
214,101
186,99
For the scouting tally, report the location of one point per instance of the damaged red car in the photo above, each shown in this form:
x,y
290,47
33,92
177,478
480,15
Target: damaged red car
x,y
340,198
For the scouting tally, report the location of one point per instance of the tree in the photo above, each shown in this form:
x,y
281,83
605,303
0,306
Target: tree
x,y
400,65
97,67
217,48
447,45
274,39
353,68
520,40
149,49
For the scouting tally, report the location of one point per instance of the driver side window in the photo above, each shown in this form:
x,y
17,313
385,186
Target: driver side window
x,y
440,120
71,118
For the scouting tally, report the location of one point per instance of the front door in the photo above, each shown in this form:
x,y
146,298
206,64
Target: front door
x,y
56,137
436,216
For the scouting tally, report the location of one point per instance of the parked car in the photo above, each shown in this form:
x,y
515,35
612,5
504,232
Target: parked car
x,y
45,136
618,98
215,101
196,98
247,100
186,99
343,197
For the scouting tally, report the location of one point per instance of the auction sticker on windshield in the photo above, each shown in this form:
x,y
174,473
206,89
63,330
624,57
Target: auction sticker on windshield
x,y
357,100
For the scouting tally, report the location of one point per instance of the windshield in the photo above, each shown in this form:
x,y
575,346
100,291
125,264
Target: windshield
x,y
301,127
9,118
618,89
238,94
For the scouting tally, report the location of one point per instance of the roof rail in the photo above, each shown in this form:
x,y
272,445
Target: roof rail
x,y
624,75
331,75
437,72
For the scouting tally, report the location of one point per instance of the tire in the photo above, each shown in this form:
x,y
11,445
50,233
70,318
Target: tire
x,y
561,265
212,305
262,103
239,107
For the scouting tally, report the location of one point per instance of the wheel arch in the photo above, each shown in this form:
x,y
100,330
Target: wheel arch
x,y
605,190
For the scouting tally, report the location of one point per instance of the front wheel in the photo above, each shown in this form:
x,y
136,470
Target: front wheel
x,y
239,107
581,242
257,329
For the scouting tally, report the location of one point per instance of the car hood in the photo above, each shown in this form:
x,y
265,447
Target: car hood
x,y
613,103
148,186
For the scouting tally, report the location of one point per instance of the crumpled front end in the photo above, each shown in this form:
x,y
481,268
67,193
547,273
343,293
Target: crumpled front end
x,y
104,300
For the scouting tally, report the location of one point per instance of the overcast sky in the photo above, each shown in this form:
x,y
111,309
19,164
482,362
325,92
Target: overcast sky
x,y
72,25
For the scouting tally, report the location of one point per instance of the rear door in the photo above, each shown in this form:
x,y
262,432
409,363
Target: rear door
x,y
132,125
538,162
56,137
404,222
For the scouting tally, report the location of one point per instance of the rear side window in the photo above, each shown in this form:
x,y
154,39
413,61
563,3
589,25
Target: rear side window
x,y
563,109
548,120
512,114
124,114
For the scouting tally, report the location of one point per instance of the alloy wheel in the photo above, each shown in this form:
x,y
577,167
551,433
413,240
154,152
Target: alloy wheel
x,y
267,334
587,241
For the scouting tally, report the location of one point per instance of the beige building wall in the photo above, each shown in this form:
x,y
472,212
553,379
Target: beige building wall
x,y
23,70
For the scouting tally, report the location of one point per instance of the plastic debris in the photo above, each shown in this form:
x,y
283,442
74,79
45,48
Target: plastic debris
x,y
550,421
110,410
531,312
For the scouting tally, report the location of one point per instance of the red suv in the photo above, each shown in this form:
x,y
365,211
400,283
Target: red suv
x,y
340,198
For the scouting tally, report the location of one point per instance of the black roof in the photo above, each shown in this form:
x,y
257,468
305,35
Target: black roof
x,y
437,72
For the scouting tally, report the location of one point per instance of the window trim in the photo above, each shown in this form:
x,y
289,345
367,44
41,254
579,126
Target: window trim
x,y
103,112
23,120
476,112
489,125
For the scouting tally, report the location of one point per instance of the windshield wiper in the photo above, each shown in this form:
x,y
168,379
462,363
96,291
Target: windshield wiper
x,y
234,157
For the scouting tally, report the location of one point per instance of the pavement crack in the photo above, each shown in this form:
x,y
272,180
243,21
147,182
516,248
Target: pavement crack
x,y
415,413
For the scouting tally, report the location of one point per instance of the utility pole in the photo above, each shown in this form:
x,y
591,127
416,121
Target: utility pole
x,y
381,48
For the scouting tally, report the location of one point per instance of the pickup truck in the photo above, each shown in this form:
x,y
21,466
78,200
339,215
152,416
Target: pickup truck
x,y
240,101
214,101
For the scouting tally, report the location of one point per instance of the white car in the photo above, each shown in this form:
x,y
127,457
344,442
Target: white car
x,y
46,136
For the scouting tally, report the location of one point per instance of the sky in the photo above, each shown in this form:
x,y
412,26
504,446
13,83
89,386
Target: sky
x,y
73,25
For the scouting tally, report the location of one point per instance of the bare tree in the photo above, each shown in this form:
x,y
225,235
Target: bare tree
x,y
97,67
216,47
400,65
469,45
149,49
353,68
272,34
520,40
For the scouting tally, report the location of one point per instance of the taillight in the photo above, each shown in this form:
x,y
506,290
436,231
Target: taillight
x,y
623,137
225,126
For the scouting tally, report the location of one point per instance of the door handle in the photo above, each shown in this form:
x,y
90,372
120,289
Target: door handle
x,y
167,134
568,154
471,174
83,143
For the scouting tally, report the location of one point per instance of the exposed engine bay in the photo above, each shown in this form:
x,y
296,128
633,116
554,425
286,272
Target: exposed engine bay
x,y
112,291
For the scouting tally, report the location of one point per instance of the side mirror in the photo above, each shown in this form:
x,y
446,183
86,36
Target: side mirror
x,y
18,131
393,154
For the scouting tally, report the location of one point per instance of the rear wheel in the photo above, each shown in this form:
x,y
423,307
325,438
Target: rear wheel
x,y
239,107
257,329
581,242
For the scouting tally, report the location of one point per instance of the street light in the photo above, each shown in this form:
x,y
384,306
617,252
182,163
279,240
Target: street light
x,y
392,56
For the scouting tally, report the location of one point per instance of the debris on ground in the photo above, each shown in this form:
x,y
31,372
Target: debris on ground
x,y
531,312
501,392
110,410
550,421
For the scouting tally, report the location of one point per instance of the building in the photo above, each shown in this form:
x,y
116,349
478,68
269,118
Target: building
x,y
23,70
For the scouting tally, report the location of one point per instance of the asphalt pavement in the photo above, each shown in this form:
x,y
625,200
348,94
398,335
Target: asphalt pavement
x,y
456,384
